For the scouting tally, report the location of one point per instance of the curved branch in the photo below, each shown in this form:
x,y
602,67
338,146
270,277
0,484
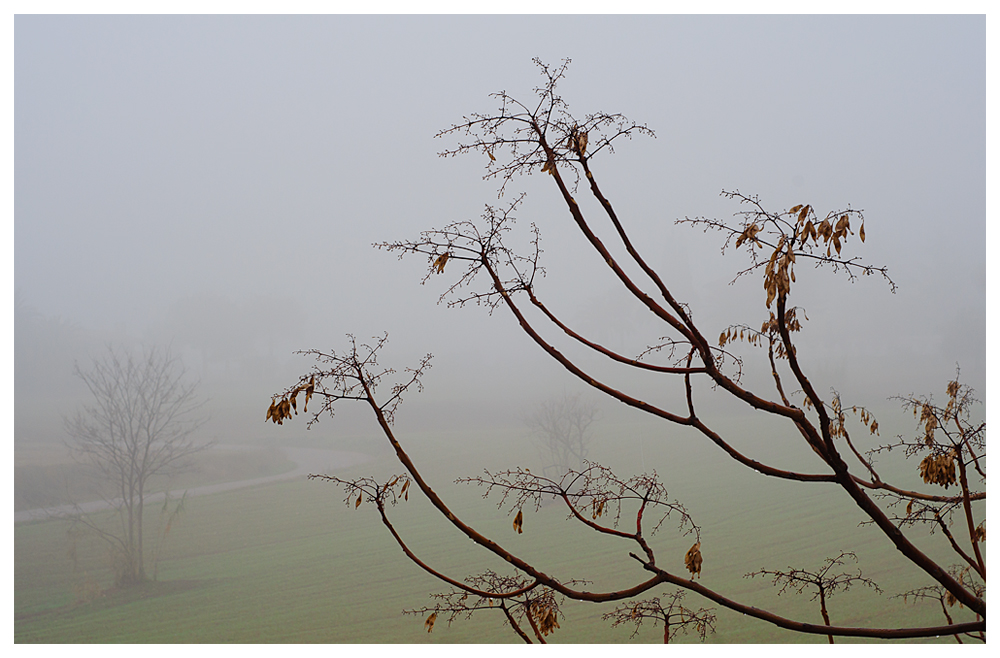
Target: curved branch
x,y
598,245
639,404
603,350
650,272
480,539
514,624
916,494
954,544
440,576
815,629
686,328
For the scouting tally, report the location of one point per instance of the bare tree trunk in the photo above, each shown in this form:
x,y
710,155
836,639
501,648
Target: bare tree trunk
x,y
140,571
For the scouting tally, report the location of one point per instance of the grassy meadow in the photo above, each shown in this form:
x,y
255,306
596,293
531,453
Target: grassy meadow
x,y
290,563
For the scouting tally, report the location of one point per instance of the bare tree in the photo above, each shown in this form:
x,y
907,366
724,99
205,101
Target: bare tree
x,y
138,427
562,426
543,137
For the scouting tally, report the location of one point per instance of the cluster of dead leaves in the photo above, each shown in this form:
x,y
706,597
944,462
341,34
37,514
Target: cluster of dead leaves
x,y
930,421
279,410
768,328
739,333
939,469
868,419
954,388
546,615
837,426
833,234
779,273
402,492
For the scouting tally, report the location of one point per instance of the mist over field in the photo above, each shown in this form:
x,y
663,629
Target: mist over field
x,y
214,185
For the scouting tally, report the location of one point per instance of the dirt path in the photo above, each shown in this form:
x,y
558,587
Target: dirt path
x,y
307,460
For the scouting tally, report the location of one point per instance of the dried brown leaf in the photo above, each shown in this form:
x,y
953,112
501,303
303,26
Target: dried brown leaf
x,y
441,261
693,560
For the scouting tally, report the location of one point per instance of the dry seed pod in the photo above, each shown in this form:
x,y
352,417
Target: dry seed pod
x,y
440,262
809,231
309,393
429,622
693,560
518,520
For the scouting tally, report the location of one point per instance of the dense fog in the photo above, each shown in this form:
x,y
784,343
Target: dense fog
x,y
215,184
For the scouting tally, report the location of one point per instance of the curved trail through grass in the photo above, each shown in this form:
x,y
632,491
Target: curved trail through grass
x,y
307,460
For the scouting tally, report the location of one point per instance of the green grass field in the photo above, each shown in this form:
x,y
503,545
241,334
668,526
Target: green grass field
x,y
290,562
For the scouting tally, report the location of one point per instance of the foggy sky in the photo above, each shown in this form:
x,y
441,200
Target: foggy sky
x,y
216,183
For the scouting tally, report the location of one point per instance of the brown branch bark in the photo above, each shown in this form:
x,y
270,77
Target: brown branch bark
x,y
815,629
660,575
513,624
534,626
866,504
640,404
916,494
480,539
822,609
979,564
954,544
603,350
440,576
